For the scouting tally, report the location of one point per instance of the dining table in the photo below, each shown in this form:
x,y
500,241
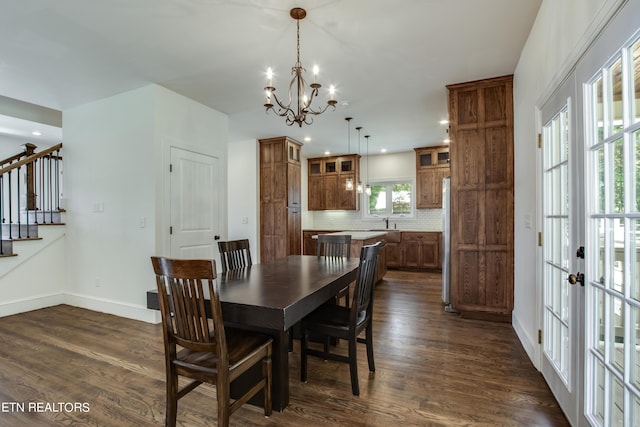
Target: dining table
x,y
271,298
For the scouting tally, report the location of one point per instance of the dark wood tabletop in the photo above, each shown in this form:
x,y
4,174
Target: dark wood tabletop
x,y
272,297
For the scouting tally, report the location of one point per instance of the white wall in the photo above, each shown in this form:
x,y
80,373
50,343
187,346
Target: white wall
x,y
116,153
561,33
244,194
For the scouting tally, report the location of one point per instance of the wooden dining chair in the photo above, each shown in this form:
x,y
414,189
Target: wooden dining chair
x,y
334,247
346,323
234,254
209,353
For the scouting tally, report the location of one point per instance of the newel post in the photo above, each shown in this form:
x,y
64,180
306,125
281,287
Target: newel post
x,y
29,149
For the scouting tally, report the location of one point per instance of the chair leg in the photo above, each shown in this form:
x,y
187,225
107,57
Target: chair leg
x,y
353,365
172,398
223,396
303,353
266,371
369,337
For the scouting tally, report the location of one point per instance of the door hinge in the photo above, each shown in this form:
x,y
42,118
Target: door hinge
x,y
170,167
539,336
539,238
170,230
539,140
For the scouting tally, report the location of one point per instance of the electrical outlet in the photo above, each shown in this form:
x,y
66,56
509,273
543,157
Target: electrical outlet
x,y
97,281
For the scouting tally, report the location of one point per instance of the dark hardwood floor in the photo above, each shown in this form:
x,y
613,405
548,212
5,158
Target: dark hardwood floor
x,y
432,368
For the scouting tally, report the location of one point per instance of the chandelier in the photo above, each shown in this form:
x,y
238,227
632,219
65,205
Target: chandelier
x,y
296,112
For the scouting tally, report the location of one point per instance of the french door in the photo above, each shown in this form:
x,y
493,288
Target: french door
x,y
562,333
612,156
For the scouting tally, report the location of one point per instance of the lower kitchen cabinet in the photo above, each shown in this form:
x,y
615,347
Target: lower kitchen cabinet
x,y
420,249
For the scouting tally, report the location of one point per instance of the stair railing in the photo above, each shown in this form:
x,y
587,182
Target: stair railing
x,y
30,182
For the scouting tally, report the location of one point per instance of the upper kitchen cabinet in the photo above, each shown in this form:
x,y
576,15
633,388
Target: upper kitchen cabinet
x,y
432,165
481,131
280,198
327,183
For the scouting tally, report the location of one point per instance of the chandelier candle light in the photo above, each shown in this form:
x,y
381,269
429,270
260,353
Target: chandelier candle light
x,y
297,113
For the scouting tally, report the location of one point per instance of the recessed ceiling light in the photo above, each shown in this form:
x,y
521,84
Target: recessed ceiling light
x,y
444,122
36,133
326,153
307,138
384,150
446,140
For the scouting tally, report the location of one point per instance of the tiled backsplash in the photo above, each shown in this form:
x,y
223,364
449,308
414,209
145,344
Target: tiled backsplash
x,y
424,219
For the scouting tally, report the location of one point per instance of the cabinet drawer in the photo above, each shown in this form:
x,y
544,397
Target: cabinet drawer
x,y
420,237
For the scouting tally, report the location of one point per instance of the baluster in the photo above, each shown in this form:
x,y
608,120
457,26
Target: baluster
x,y
1,213
50,187
58,180
18,205
10,207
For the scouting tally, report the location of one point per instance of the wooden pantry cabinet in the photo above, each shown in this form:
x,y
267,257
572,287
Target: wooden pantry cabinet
x,y
327,182
280,198
432,165
481,131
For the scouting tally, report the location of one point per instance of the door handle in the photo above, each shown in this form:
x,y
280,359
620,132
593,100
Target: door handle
x,y
216,237
575,278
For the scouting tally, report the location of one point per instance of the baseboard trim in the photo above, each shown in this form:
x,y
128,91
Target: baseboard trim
x,y
20,306
528,342
129,311
116,308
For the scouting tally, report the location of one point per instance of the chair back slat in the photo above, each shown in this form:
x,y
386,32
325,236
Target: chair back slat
x,y
365,280
183,289
234,254
334,246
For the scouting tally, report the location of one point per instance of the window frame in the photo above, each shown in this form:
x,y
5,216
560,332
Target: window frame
x,y
388,212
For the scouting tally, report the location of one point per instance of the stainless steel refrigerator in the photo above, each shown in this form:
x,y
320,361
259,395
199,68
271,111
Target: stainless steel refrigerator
x,y
446,242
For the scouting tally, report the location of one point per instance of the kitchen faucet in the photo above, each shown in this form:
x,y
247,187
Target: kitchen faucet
x,y
386,221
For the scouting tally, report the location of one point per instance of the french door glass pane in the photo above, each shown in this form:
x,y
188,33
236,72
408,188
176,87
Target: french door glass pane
x,y
616,98
599,156
598,111
599,392
617,334
599,329
635,55
635,137
635,344
618,176
635,259
617,406
618,263
600,227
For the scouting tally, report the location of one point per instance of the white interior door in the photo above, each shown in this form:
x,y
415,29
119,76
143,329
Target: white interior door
x,y
195,193
561,363
612,139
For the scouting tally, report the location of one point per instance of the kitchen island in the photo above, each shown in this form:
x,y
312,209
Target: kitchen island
x,y
359,238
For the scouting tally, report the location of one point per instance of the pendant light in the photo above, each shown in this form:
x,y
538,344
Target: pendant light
x,y
349,183
368,186
359,187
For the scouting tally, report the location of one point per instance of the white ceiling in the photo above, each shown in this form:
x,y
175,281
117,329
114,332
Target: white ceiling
x,y
390,60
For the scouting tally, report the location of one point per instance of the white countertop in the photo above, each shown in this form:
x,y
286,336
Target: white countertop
x,y
359,235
